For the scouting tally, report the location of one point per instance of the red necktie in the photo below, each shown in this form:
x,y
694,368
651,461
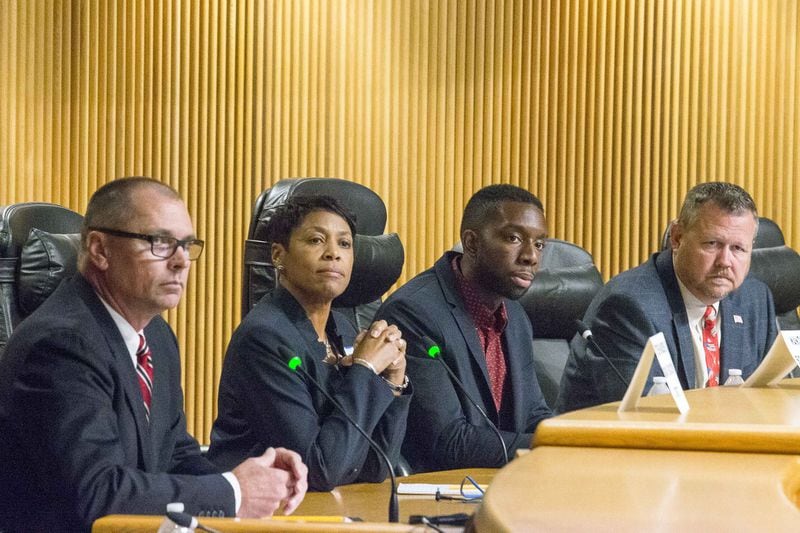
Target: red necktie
x,y
496,365
144,370
711,347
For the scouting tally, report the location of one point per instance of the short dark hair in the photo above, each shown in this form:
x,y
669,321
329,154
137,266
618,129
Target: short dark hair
x,y
111,205
727,196
289,216
484,202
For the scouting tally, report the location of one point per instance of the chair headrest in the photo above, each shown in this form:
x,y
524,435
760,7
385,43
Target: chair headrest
x,y
16,221
46,258
769,234
778,267
377,264
558,296
365,204
558,253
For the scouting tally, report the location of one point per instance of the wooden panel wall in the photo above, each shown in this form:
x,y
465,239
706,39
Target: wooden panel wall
x,y
608,110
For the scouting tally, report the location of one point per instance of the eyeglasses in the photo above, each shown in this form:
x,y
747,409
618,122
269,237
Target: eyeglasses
x,y
470,491
160,245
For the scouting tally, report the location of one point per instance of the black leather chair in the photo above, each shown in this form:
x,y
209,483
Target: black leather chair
x,y
377,263
775,264
378,259
38,247
560,293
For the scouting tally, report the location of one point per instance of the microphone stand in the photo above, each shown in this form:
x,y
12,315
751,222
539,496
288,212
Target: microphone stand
x,y
586,333
434,352
296,365
188,521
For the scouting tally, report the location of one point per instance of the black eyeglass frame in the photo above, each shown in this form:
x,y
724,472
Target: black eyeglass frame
x,y
467,498
186,244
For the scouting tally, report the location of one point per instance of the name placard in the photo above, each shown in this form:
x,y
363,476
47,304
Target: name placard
x,y
656,347
782,357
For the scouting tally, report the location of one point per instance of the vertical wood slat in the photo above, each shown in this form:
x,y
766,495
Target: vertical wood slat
x,y
608,110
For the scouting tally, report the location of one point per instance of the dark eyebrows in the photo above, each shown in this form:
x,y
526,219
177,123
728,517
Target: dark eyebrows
x,y
522,229
325,231
162,232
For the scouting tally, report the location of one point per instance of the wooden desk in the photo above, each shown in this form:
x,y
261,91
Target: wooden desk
x,y
719,419
601,489
368,501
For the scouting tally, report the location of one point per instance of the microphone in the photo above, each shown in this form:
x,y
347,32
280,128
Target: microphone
x,y
296,365
434,352
187,520
586,333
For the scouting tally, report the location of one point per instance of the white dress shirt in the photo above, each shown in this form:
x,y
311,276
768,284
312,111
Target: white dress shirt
x,y
695,309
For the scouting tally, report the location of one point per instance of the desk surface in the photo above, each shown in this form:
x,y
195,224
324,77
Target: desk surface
x,y
601,489
370,501
719,419
367,501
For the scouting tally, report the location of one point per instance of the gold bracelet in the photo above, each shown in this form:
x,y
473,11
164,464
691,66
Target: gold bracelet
x,y
364,362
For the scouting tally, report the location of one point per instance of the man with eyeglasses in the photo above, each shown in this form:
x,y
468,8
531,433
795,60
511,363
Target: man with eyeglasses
x,y
91,407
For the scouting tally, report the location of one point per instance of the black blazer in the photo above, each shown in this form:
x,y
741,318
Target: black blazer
x,y
444,430
644,301
263,403
74,441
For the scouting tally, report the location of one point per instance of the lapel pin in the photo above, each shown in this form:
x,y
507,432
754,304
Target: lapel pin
x,y
737,319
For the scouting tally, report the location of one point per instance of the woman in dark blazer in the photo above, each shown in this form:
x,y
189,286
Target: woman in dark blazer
x,y
262,402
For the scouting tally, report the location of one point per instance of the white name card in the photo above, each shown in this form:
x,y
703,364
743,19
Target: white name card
x,y
782,357
656,347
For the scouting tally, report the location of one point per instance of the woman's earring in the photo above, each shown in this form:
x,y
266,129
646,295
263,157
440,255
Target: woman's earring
x,y
279,266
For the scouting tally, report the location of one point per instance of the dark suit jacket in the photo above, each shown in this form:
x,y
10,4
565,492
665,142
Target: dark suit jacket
x,y
644,301
263,403
74,441
445,431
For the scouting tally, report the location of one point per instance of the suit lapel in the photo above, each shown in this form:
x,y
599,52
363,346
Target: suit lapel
x,y
161,396
680,320
125,369
732,333
680,324
515,367
464,322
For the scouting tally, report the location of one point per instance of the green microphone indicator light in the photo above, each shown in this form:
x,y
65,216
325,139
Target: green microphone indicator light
x,y
432,347
294,362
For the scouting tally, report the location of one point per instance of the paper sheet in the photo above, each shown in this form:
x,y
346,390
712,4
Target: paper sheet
x,y
429,489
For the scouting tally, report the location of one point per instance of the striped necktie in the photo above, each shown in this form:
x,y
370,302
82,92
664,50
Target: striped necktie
x,y
144,370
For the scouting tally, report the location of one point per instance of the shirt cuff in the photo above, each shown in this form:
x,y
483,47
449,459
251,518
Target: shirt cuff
x,y
237,490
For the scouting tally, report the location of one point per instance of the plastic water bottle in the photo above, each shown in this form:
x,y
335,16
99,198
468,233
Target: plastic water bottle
x,y
734,378
168,526
659,386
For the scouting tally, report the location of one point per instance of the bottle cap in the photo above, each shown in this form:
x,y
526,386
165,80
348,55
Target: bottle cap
x,y
175,507
735,372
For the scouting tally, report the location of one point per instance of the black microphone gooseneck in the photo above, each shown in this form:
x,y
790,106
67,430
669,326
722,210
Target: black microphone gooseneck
x,y
586,333
434,352
296,365
187,520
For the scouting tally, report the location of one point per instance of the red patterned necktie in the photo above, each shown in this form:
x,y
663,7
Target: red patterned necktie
x,y
144,370
711,347
496,365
